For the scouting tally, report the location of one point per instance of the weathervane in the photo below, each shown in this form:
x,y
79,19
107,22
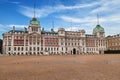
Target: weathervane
x,y
71,25
53,24
98,19
34,7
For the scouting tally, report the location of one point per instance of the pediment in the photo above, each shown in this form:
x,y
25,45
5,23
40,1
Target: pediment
x,y
34,34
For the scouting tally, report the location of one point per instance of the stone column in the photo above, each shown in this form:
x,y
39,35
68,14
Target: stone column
x,y
32,46
36,45
24,48
12,43
7,46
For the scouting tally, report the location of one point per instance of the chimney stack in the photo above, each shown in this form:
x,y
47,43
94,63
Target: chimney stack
x,y
25,29
13,29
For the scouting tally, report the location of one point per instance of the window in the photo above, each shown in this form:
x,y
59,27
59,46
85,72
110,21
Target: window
x,y
30,49
68,43
9,48
38,49
72,44
18,48
48,49
14,48
51,49
9,42
26,48
30,43
34,49
36,29
26,42
34,43
61,43
65,43
66,48
45,49
22,48
62,48
38,43
41,48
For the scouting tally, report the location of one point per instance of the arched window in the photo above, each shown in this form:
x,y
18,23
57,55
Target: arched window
x,y
30,49
22,48
18,48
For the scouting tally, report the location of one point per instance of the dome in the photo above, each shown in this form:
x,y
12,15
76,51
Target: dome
x,y
34,21
98,28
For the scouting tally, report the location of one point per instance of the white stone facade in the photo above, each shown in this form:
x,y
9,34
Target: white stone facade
x,y
39,42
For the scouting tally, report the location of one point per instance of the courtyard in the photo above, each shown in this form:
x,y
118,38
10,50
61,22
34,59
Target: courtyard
x,y
57,67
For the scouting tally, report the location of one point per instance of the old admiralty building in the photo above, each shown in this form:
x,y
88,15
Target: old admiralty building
x,y
36,41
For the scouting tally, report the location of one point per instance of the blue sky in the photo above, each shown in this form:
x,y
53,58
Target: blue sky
x,y
69,14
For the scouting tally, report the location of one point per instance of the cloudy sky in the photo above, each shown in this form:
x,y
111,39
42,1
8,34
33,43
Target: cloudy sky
x,y
69,14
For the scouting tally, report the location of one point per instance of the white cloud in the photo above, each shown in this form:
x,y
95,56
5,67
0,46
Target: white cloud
x,y
77,6
8,1
107,6
111,23
92,19
80,20
14,2
3,28
29,12
113,18
71,19
18,26
6,28
46,10
72,28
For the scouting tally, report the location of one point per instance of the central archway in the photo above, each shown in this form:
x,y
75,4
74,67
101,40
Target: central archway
x,y
74,51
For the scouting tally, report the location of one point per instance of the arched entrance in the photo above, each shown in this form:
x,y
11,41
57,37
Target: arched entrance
x,y
71,51
74,51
